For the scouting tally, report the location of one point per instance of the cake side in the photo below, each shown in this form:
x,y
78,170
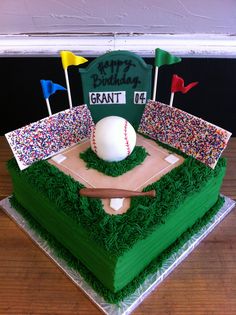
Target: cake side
x,y
176,223
62,226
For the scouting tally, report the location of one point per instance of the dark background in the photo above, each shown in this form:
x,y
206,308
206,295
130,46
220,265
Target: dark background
x,y
22,102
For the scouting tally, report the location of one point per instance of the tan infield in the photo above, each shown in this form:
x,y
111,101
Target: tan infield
x,y
153,167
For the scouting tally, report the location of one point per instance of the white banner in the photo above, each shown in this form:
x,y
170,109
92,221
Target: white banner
x,y
112,97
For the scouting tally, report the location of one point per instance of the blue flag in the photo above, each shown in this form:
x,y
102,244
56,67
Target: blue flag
x,y
50,88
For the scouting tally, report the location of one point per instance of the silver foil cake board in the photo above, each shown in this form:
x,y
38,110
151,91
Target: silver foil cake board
x,y
152,281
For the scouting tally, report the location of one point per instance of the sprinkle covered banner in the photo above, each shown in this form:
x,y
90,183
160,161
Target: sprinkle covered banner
x,y
185,132
49,136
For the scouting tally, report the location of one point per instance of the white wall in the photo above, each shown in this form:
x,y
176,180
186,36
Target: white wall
x,y
123,16
145,20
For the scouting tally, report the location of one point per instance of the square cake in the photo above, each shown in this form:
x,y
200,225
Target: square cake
x,y
116,240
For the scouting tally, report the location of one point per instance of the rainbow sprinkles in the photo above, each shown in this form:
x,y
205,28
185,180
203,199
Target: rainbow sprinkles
x,y
185,132
49,136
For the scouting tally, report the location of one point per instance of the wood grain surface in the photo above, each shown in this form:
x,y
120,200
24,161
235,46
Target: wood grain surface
x,y
205,283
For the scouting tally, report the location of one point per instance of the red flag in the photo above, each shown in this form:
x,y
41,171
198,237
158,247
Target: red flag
x,y
177,85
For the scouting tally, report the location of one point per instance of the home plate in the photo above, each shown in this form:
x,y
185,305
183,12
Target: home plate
x,y
158,162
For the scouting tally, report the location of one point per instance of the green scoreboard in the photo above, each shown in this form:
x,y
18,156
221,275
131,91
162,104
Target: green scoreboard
x,y
117,83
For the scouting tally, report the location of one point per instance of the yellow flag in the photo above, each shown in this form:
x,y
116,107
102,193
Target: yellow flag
x,y
69,59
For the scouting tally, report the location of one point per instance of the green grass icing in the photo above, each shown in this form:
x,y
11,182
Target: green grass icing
x,y
114,169
144,213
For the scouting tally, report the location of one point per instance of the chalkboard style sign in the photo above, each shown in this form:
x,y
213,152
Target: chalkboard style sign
x,y
117,83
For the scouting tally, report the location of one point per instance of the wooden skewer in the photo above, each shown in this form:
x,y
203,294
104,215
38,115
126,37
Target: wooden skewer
x,y
113,193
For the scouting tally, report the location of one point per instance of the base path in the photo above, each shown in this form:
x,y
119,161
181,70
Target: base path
x,y
159,162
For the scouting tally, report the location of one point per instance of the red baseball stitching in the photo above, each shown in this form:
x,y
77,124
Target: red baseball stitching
x,y
126,137
94,140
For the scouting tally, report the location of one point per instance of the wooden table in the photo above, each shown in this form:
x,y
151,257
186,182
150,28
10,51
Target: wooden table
x,y
205,283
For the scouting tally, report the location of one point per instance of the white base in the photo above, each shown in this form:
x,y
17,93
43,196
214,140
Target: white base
x,y
152,281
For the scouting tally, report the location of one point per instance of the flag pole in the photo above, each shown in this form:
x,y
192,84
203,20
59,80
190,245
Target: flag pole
x,y
48,106
155,84
162,58
69,59
68,88
177,85
172,99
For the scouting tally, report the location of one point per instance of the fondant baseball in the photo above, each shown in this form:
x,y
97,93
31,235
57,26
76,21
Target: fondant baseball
x,y
113,138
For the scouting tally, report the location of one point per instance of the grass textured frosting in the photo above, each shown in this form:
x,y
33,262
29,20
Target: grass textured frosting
x,y
114,169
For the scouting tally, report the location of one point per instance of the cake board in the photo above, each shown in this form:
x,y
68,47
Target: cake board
x,y
152,281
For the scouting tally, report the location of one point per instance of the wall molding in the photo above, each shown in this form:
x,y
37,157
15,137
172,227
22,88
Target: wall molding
x,y
92,45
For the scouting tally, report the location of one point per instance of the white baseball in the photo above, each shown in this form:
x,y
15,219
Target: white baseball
x,y
113,138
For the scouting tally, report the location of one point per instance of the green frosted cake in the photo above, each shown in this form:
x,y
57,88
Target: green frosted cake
x,y
116,242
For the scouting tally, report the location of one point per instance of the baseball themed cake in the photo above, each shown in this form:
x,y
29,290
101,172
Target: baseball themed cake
x,y
120,183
